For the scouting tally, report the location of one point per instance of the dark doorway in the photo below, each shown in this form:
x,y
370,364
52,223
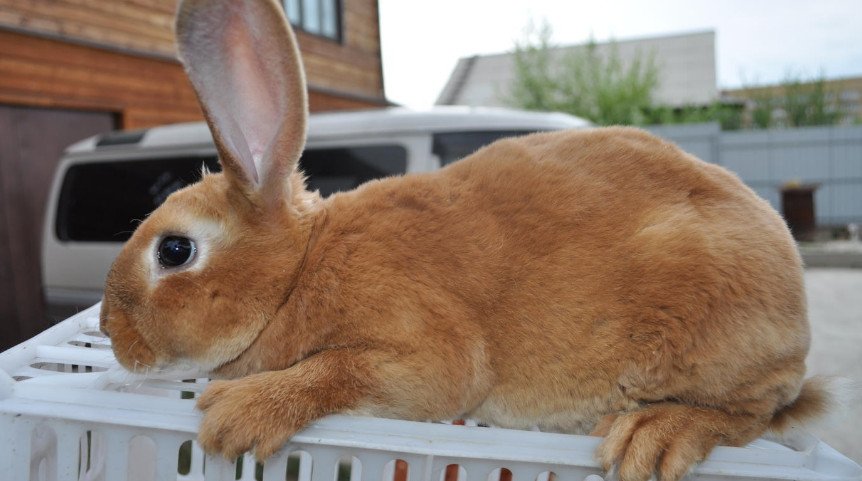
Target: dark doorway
x,y
31,143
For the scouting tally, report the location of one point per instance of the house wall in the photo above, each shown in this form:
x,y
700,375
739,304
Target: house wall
x,y
118,56
64,63
685,62
138,25
42,72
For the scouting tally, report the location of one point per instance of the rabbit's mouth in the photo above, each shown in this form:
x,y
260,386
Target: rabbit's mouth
x,y
130,348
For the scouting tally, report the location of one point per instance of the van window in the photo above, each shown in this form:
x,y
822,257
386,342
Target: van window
x,y
104,201
452,146
331,170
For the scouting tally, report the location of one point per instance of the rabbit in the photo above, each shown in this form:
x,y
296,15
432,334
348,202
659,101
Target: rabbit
x,y
589,281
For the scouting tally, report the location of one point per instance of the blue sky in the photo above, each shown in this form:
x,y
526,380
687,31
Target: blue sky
x,y
757,41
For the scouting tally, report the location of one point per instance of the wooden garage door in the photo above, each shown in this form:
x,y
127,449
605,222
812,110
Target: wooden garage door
x,y
31,143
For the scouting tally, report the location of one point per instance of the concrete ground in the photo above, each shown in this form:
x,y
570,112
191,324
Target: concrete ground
x,y
835,313
839,254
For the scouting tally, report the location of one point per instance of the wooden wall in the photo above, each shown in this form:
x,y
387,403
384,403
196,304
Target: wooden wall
x,y
354,66
28,158
139,25
349,71
41,72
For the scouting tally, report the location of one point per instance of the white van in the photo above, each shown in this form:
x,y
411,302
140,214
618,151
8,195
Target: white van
x,y
106,184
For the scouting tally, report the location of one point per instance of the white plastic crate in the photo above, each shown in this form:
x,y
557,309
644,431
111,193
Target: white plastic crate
x,y
68,412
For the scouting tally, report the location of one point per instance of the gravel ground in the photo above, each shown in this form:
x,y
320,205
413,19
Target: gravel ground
x,y
835,312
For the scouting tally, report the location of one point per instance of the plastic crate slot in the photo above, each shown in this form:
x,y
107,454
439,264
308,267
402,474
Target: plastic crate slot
x,y
500,474
184,458
453,472
396,470
21,378
43,453
191,393
299,465
247,469
349,468
87,465
291,471
548,476
65,367
158,387
143,459
41,471
89,345
196,460
219,468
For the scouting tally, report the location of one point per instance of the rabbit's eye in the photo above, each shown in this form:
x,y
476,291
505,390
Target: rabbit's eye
x,y
175,251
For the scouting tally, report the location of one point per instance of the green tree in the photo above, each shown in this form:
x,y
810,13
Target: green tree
x,y
535,85
761,112
728,115
809,102
582,81
795,102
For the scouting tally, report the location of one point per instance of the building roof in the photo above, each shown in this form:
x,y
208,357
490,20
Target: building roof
x,y
687,74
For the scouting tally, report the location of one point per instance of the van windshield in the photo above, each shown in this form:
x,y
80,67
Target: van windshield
x,y
105,201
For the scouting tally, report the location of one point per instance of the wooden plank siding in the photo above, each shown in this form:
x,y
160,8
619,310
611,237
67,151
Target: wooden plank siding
x,y
119,56
43,72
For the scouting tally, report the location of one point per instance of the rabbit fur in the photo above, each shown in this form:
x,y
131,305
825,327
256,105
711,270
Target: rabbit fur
x,y
597,280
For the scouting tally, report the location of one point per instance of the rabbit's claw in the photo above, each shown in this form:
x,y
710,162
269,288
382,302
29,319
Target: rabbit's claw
x,y
237,419
665,439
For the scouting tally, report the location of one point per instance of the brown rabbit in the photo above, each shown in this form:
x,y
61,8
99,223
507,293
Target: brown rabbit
x,y
589,281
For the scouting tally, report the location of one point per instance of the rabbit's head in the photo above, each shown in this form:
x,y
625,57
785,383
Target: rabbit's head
x,y
203,275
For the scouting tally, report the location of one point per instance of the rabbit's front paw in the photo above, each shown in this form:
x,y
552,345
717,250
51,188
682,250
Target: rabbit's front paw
x,y
665,439
239,416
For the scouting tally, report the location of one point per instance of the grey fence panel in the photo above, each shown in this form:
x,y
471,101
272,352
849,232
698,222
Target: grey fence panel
x,y
770,194
766,160
846,162
845,201
700,140
750,160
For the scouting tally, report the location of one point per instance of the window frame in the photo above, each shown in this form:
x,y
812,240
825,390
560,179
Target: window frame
x,y
299,25
308,163
441,144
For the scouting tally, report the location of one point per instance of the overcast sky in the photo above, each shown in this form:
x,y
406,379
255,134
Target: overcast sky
x,y
757,41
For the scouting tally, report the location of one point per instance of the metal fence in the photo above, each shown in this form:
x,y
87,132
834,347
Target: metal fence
x,y
766,160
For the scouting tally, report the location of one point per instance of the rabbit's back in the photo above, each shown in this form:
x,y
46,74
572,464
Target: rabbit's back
x,y
633,271
584,272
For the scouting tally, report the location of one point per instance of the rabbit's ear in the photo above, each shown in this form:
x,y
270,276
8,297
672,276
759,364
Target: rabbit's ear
x,y
244,64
